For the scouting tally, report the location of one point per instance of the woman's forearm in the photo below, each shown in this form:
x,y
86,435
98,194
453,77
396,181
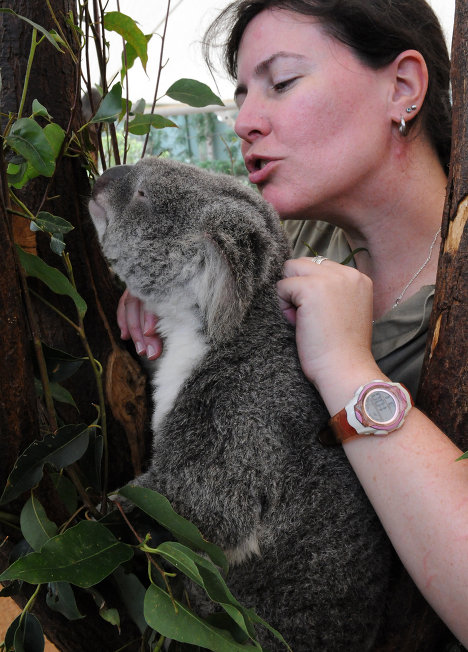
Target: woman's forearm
x,y
420,493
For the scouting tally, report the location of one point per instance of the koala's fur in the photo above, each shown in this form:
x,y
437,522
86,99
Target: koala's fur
x,y
235,422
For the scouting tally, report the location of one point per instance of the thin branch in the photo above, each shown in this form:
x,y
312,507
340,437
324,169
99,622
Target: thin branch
x,y
161,54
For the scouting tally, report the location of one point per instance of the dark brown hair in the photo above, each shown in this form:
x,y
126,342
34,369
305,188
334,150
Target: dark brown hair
x,y
377,31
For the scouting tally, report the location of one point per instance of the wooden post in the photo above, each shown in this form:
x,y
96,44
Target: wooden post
x,y
443,393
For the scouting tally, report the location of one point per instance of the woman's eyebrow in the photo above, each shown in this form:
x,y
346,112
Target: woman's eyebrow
x,y
263,67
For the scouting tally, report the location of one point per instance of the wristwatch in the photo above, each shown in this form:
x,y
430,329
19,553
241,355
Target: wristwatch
x,y
377,408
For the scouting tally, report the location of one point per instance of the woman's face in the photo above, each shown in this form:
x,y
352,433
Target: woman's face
x,y
312,118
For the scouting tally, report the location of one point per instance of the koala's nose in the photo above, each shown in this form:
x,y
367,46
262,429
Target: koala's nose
x,y
111,174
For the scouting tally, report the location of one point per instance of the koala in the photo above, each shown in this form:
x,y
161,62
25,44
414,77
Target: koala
x,y
235,421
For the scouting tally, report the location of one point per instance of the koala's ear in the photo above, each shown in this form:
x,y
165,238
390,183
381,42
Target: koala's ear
x,y
218,293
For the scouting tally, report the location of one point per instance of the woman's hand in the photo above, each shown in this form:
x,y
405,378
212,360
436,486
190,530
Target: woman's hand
x,y
331,307
140,326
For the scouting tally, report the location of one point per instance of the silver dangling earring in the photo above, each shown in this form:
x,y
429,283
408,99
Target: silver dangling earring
x,y
402,127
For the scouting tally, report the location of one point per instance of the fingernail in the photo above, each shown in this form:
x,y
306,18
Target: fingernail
x,y
150,351
148,328
140,348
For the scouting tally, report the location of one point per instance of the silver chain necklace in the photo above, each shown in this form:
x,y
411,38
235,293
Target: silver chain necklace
x,y
415,276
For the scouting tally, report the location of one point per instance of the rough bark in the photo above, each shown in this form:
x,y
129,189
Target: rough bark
x,y
443,393
54,82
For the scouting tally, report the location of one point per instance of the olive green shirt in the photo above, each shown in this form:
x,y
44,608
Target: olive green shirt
x,y
399,336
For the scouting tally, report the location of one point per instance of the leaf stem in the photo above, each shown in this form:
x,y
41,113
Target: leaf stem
x,y
30,603
32,52
97,370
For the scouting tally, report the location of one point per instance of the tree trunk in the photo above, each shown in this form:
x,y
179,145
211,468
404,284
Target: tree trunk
x,y
443,393
55,83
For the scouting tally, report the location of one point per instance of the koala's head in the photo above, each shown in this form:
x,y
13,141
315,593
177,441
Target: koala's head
x,y
166,226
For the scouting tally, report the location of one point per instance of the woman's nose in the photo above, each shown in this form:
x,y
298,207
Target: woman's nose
x,y
251,122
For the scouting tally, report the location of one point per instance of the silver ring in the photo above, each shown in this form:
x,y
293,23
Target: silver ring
x,y
318,259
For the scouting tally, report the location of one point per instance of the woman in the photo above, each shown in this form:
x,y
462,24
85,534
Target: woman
x,y
344,117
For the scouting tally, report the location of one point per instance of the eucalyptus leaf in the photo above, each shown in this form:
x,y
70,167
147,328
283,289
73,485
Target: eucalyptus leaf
x,y
50,37
39,109
60,598
35,526
110,107
111,616
52,223
55,280
25,634
83,555
55,136
130,55
143,122
60,450
15,173
57,244
66,490
185,626
116,21
60,365
138,107
205,574
193,93
132,592
159,508
27,138
62,395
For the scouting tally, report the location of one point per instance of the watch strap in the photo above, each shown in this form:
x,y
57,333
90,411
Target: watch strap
x,y
339,430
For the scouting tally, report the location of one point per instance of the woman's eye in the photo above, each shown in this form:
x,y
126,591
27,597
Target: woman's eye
x,y
283,85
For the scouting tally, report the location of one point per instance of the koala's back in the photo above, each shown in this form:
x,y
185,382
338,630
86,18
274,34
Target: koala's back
x,y
238,455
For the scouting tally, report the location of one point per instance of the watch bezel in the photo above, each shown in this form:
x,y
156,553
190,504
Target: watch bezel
x,y
363,424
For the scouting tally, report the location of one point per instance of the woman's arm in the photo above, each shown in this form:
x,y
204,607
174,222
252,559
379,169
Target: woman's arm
x,y
411,476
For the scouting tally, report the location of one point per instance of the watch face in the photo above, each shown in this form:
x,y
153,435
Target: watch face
x,y
380,406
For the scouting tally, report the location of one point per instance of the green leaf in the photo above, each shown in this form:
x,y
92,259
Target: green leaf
x,y
83,555
35,526
143,122
184,626
115,21
60,365
62,395
66,490
111,616
139,107
159,508
60,598
52,223
40,29
352,254
39,109
110,107
16,173
59,450
25,634
28,139
132,593
193,93
55,226
130,55
55,280
55,136
205,574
